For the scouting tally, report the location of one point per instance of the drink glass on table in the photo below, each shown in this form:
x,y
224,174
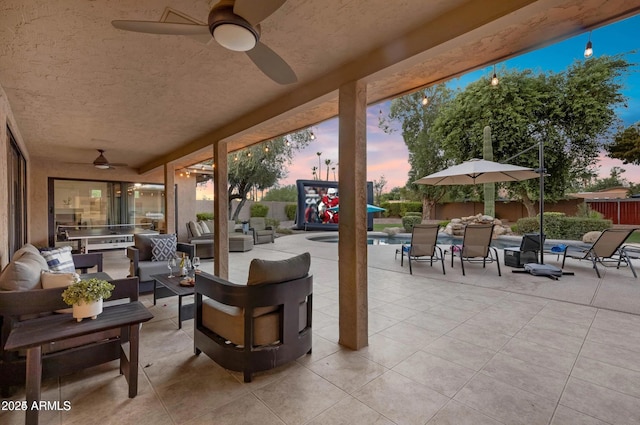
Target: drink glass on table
x,y
196,263
171,263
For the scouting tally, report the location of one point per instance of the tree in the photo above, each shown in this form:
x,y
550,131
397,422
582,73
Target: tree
x,y
378,187
626,145
288,193
425,150
615,179
261,166
571,112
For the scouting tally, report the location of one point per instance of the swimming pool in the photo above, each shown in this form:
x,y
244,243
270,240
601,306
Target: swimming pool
x,y
380,238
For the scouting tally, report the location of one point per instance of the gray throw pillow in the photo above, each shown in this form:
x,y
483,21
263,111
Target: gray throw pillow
x,y
265,271
143,243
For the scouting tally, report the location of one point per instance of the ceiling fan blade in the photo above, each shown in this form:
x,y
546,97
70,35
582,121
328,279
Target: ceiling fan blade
x,y
272,64
164,28
254,11
118,164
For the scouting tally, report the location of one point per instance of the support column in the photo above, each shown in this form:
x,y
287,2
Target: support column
x,y
220,211
352,248
170,198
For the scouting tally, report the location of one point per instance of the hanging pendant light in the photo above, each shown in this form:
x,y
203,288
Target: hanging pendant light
x,y
494,79
588,50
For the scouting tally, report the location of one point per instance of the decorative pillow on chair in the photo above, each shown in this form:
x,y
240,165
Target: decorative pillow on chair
x,y
162,249
59,259
59,280
23,273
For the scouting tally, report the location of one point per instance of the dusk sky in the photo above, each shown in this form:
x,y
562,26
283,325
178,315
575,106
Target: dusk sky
x,y
387,154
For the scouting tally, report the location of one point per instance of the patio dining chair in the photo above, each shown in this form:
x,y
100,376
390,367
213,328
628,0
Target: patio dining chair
x,y
423,246
476,246
607,250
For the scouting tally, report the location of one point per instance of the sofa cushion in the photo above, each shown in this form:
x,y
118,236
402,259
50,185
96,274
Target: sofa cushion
x,y
149,268
59,259
23,274
162,249
204,227
265,271
143,243
25,248
59,280
194,228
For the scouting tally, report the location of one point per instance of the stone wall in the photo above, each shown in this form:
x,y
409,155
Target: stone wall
x,y
456,225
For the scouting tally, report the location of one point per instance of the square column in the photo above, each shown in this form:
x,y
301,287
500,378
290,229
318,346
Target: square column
x,y
170,198
352,248
220,211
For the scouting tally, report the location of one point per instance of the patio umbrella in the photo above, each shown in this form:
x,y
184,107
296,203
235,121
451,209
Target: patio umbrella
x,y
477,171
370,208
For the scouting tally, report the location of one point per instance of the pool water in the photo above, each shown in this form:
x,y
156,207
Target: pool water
x,y
377,238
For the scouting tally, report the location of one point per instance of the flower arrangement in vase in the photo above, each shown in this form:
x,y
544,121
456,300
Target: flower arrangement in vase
x,y
86,297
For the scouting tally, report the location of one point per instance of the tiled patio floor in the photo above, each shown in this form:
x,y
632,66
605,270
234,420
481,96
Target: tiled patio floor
x,y
477,349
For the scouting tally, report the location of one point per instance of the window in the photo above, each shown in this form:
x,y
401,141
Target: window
x,y
17,186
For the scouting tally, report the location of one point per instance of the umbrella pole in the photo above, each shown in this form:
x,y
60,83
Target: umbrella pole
x,y
541,200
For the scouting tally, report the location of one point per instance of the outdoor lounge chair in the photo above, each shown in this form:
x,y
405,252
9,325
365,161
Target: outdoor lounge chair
x,y
606,250
258,325
423,246
476,246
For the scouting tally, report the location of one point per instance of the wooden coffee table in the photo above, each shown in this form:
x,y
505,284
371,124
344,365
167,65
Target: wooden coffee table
x,y
172,284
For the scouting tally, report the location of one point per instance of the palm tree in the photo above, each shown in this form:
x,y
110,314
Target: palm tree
x,y
327,162
319,163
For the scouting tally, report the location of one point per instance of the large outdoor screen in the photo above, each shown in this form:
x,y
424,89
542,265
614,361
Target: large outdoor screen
x,y
319,205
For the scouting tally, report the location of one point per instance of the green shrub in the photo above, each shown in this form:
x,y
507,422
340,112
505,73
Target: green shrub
x,y
584,210
273,222
409,221
559,226
413,214
444,223
259,210
204,216
400,209
290,210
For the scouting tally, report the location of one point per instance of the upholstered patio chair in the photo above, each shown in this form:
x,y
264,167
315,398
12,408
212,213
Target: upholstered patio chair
x,y
476,246
423,246
259,325
606,251
261,232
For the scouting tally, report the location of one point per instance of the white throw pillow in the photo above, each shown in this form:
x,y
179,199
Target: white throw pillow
x,y
59,259
59,280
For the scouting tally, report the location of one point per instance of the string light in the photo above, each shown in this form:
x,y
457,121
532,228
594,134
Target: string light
x,y
313,136
588,50
425,100
494,79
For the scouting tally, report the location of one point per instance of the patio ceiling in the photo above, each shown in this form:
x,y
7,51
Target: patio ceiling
x,y
75,83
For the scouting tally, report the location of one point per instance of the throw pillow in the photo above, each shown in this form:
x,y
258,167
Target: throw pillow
x,y
23,274
59,259
162,249
264,271
204,227
194,228
59,280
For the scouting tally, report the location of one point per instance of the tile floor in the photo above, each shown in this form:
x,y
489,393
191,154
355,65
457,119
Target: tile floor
x,y
477,349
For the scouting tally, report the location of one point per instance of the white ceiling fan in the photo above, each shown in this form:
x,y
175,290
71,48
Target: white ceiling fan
x,y
235,25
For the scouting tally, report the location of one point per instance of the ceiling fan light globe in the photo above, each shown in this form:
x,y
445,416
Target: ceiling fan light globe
x,y
234,37
102,166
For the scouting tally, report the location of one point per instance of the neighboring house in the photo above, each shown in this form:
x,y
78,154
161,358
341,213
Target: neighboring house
x,y
619,192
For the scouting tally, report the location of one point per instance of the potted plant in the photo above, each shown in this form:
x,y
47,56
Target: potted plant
x,y
86,297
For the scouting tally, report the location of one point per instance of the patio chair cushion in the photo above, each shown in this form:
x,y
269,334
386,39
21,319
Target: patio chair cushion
x,y
162,249
59,259
146,269
265,271
204,227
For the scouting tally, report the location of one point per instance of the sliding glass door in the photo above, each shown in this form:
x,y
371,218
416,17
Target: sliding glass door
x,y
17,196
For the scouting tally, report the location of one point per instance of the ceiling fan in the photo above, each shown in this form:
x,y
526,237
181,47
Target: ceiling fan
x,y
103,164
235,25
